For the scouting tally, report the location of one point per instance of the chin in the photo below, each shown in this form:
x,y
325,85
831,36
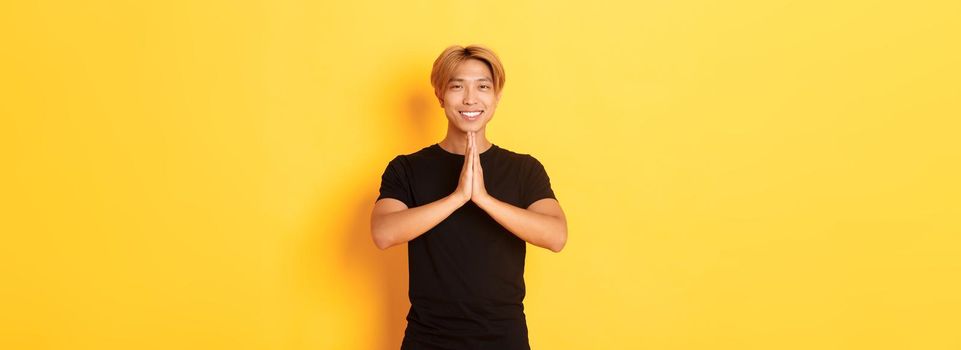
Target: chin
x,y
475,128
468,127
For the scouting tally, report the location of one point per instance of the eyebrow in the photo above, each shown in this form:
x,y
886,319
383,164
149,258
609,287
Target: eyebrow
x,y
462,79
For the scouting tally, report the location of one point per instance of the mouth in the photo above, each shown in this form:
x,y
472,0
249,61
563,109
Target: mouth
x,y
471,115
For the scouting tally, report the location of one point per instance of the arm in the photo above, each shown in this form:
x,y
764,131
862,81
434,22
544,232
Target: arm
x,y
542,224
392,223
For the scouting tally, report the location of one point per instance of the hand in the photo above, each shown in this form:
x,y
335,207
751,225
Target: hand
x,y
465,184
479,191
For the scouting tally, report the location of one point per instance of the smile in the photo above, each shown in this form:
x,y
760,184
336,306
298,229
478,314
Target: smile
x,y
471,115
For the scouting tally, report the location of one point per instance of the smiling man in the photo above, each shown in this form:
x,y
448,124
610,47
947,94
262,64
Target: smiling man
x,y
467,209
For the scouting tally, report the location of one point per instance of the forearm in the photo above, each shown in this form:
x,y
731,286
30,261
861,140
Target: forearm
x,y
542,230
402,226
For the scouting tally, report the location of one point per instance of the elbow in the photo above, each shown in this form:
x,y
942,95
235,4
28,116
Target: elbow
x,y
381,239
381,244
557,247
560,243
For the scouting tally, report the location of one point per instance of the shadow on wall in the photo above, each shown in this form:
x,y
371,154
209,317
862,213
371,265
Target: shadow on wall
x,y
387,269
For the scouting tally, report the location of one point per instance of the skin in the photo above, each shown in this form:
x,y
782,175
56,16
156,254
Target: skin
x,y
542,224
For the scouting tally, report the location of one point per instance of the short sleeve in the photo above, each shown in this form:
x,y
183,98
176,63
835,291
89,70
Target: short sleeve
x,y
395,182
537,186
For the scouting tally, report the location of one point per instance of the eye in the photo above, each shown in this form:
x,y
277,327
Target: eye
x,y
455,86
485,86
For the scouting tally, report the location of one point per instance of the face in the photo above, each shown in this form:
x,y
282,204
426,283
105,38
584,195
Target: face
x,y
470,100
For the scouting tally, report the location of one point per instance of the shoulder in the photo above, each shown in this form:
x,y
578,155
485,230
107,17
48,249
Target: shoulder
x,y
518,157
526,160
525,164
406,158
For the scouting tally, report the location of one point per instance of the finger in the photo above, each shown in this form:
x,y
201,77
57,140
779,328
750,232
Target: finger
x,y
478,172
473,146
467,152
473,141
466,165
474,160
477,165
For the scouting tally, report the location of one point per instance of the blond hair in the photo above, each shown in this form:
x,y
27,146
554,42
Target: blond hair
x,y
447,62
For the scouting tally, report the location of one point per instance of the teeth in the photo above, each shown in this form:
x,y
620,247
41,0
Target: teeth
x,y
471,114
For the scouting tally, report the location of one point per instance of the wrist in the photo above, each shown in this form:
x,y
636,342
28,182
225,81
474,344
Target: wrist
x,y
482,200
458,198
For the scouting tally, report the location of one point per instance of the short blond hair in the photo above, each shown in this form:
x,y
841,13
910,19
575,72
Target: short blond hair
x,y
447,62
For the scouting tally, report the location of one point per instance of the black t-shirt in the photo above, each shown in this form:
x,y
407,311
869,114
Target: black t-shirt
x,y
466,273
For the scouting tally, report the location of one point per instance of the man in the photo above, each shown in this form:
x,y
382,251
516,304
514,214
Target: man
x,y
466,207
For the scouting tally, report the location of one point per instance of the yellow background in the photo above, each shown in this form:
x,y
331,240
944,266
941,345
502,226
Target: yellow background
x,y
736,175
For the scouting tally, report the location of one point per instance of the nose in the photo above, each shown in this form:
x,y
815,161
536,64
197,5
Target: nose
x,y
469,97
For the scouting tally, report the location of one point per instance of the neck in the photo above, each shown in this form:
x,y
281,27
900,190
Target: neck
x,y
456,141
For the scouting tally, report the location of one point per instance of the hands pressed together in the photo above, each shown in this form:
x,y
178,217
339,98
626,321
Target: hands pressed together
x,y
542,223
471,184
